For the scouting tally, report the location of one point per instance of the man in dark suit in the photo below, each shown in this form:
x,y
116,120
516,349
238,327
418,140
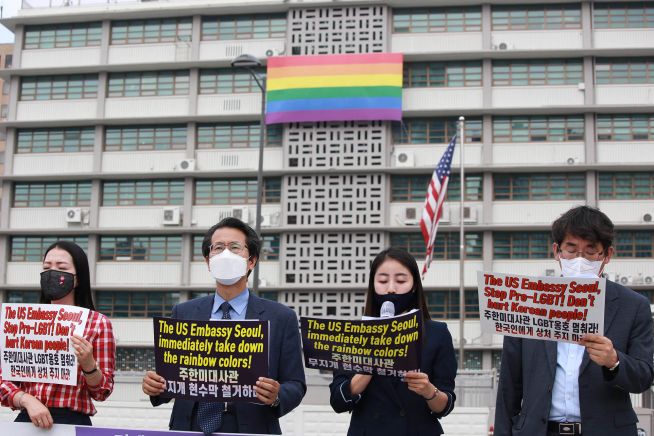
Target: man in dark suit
x,y
231,250
550,388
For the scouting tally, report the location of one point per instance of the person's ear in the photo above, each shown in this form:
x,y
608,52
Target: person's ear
x,y
557,251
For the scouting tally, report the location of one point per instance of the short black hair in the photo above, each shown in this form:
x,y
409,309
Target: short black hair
x,y
586,223
83,297
252,240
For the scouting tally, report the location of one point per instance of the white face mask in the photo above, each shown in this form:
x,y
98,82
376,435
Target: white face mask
x,y
228,268
581,267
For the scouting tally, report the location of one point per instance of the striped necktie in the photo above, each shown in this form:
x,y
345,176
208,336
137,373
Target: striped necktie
x,y
210,414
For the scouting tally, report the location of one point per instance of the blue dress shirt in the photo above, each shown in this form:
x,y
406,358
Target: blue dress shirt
x,y
565,393
239,305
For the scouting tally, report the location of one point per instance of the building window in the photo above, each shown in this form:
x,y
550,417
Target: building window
x,y
522,245
414,187
57,140
120,304
536,17
9,60
143,193
65,194
537,72
496,359
626,186
546,186
141,248
634,244
134,359
538,128
624,71
196,256
4,111
270,247
232,27
445,304
625,127
442,74
647,293
446,246
228,81
236,191
169,137
472,359
149,83
64,87
32,248
237,135
437,20
29,297
6,88
434,130
63,35
151,31
269,295
619,15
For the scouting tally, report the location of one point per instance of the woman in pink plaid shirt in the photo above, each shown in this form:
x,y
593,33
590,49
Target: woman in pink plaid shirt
x,y
65,280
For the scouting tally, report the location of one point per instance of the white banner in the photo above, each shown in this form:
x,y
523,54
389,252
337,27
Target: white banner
x,y
549,308
35,342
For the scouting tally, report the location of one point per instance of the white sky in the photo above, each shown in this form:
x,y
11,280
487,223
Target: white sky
x,y
9,8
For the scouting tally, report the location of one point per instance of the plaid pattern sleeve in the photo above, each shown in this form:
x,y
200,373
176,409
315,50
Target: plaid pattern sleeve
x,y
104,352
99,333
7,392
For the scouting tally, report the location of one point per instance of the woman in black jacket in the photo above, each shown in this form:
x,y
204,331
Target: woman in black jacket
x,y
411,405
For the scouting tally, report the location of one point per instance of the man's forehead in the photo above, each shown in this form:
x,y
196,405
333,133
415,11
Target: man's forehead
x,y
227,234
578,240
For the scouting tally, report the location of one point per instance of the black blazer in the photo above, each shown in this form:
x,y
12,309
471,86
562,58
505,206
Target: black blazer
x,y
387,406
524,395
285,366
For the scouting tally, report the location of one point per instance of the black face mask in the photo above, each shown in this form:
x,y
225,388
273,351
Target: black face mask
x,y
55,285
402,302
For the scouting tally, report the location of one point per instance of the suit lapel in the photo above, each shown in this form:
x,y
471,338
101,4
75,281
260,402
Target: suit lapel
x,y
203,308
611,304
255,309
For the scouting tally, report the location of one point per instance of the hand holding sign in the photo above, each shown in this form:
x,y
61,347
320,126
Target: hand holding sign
x,y
419,383
153,384
267,390
38,413
600,350
83,352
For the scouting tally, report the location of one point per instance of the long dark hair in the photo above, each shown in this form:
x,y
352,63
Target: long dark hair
x,y
83,297
409,262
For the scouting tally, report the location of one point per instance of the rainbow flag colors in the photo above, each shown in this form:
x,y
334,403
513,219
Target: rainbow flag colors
x,y
334,88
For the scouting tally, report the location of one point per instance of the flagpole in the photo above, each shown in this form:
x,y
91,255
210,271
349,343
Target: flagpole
x,y
462,248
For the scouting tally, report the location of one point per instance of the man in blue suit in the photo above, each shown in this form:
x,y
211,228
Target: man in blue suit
x,y
550,388
231,251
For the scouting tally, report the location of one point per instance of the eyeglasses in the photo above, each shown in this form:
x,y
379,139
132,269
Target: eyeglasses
x,y
588,254
219,247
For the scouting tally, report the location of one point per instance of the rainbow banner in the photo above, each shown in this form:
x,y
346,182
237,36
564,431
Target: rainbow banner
x,y
334,88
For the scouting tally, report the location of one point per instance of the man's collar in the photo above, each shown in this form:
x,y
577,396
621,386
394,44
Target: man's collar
x,y
238,303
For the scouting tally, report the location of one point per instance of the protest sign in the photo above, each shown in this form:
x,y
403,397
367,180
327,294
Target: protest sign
x,y
384,346
29,429
211,360
35,342
551,308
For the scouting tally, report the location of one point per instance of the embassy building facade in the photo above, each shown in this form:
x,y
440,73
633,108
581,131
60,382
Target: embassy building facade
x,y
129,133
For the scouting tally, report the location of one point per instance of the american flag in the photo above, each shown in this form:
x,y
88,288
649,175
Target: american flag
x,y
433,209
